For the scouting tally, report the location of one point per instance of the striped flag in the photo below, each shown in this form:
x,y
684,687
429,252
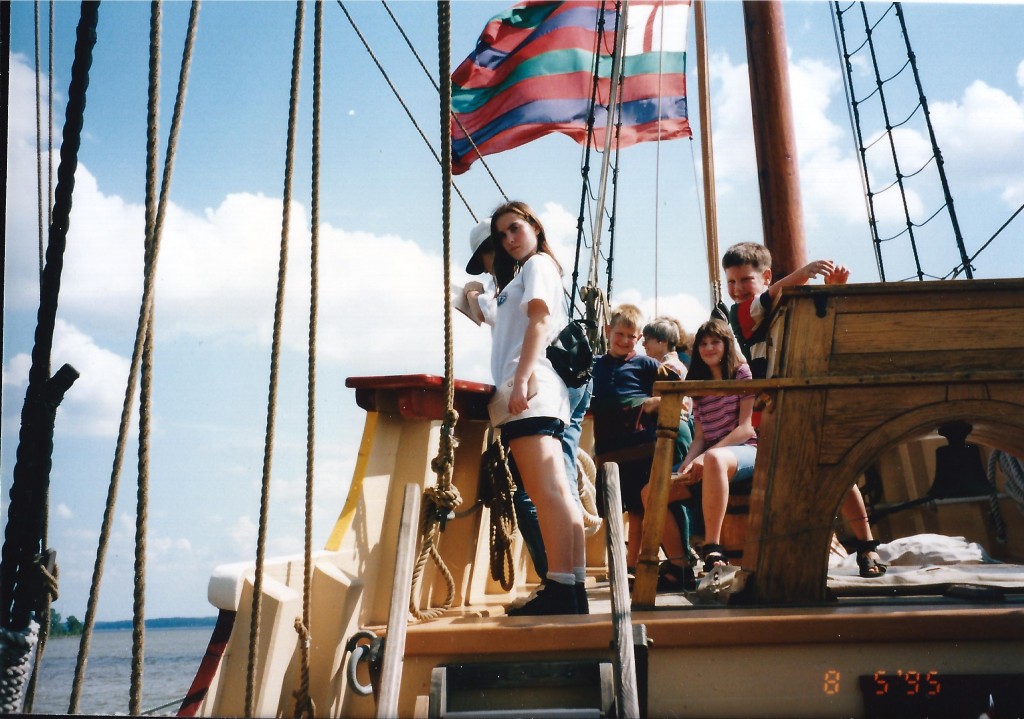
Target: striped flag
x,y
532,74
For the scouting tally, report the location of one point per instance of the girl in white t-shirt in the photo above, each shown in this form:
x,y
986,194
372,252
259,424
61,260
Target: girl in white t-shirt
x,y
528,316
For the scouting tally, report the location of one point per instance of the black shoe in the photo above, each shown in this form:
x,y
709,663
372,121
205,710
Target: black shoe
x,y
552,598
674,579
582,603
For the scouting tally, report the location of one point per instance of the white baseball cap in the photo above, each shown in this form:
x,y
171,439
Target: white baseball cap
x,y
479,235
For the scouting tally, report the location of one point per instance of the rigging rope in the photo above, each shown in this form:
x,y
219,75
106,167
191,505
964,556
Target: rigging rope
x,y
990,240
585,169
443,498
454,115
408,112
49,122
615,201
27,523
145,381
621,24
39,149
50,578
657,160
151,255
900,177
275,352
304,705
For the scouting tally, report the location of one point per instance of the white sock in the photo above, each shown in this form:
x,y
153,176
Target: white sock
x,y
566,578
581,574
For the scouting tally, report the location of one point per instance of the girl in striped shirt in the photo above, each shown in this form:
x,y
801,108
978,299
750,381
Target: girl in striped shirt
x,y
724,441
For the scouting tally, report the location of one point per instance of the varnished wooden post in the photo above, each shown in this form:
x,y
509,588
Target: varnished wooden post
x,y
646,586
625,656
774,137
398,618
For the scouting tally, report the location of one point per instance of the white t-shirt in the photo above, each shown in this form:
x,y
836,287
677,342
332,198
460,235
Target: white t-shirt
x,y
537,280
488,302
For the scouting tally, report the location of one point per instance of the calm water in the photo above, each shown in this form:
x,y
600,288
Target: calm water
x,y
172,657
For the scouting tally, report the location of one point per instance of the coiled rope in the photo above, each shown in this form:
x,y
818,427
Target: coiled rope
x,y
15,665
275,351
304,705
143,334
503,518
586,482
443,498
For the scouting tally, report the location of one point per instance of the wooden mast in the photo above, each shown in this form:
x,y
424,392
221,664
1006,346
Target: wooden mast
x,y
774,138
706,153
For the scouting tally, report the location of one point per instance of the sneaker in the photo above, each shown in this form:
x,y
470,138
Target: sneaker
x,y
582,603
552,598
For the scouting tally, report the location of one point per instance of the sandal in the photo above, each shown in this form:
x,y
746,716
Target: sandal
x,y
673,578
869,566
713,556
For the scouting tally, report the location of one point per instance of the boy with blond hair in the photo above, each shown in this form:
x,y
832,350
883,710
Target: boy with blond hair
x,y
748,273
625,415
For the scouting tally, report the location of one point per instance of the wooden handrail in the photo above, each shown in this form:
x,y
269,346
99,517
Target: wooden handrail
x,y
622,623
398,617
701,388
646,585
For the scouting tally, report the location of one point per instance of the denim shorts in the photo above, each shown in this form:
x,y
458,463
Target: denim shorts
x,y
549,426
745,455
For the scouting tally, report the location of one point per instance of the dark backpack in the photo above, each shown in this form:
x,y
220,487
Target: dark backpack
x,y
571,355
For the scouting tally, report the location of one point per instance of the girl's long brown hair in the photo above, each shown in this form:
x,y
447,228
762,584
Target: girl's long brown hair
x,y
505,267
730,360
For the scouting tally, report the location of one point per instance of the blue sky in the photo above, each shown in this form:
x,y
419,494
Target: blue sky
x,y
381,273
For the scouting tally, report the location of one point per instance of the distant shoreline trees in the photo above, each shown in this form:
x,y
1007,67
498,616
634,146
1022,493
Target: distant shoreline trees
x,y
60,627
73,627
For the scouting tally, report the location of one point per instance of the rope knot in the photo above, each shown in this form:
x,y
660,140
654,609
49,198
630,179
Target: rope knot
x,y
304,706
47,578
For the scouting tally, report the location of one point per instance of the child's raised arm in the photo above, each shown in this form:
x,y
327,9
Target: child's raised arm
x,y
832,273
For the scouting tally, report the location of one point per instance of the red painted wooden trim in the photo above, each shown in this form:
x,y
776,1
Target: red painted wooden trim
x,y
208,666
419,396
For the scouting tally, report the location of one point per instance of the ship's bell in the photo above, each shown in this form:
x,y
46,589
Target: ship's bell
x,y
959,471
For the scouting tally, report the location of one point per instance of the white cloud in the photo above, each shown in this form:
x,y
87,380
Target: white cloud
x,y
243,533
730,112
63,511
92,407
982,140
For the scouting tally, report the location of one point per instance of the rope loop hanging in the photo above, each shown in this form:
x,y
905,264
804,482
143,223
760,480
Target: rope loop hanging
x,y
503,518
442,499
305,707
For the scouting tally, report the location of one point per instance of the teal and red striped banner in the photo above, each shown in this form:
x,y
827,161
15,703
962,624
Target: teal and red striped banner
x,y
532,74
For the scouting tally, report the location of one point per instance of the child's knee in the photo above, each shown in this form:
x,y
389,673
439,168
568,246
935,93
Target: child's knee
x,y
716,460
